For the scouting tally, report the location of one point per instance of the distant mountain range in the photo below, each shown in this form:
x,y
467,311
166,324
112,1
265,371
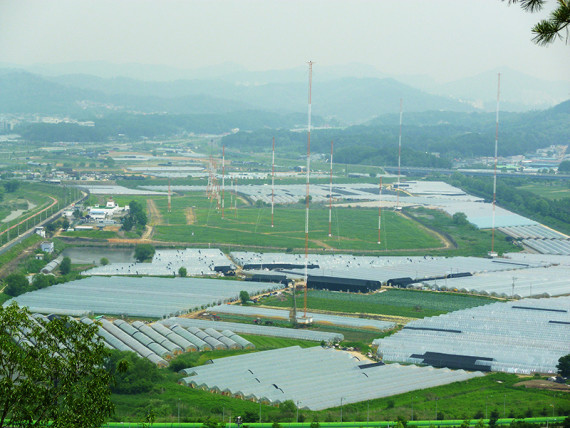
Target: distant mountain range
x,y
337,89
346,100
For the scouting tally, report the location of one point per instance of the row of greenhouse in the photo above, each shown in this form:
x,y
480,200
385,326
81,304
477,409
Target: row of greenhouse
x,y
148,297
524,336
315,378
203,261
553,246
537,231
258,330
535,282
159,343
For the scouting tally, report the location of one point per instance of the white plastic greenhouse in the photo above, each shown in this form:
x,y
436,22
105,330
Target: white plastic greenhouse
x,y
523,336
317,378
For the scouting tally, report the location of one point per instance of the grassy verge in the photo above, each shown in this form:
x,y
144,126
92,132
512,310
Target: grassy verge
x,y
548,189
354,229
93,234
17,249
470,241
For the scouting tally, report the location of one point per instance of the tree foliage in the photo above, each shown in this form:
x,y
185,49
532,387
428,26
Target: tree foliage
x,y
132,374
182,271
493,419
460,218
144,252
244,296
65,266
564,366
546,31
11,186
136,218
60,379
16,284
564,166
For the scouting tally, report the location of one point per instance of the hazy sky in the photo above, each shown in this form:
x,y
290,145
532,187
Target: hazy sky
x,y
445,39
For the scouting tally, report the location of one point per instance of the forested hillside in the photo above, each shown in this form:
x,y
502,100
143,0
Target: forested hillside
x,y
428,139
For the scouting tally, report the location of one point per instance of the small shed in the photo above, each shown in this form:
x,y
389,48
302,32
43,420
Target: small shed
x,y
47,247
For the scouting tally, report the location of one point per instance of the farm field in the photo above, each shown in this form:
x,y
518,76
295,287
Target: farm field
x,y
394,302
469,240
196,220
549,189
352,228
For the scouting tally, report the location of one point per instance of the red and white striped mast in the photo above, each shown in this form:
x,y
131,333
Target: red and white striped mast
x,y
223,178
330,193
495,174
380,209
236,196
307,195
169,197
272,181
399,157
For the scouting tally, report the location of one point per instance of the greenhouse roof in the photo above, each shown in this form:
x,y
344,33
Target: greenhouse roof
x,y
317,318
142,297
383,268
316,378
261,330
524,336
549,281
168,262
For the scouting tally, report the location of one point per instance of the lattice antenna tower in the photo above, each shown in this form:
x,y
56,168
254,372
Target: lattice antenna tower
x,y
330,193
495,173
399,156
379,210
272,181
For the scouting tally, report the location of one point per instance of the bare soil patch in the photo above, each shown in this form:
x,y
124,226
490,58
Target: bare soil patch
x,y
155,215
544,384
190,215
